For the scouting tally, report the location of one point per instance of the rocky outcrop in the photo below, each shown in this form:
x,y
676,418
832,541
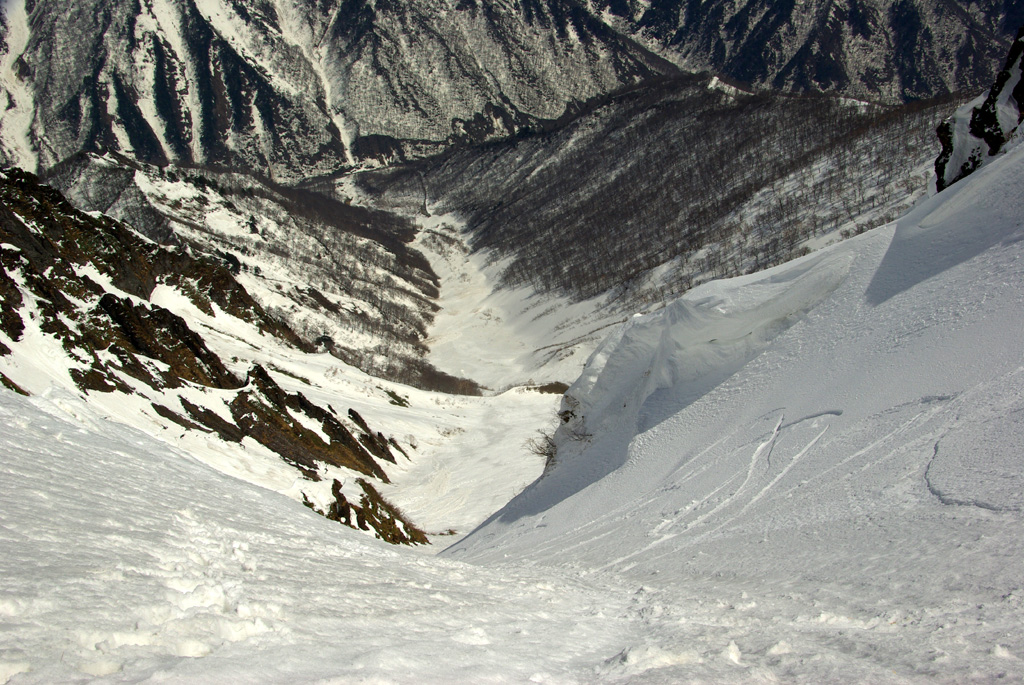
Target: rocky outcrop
x,y
980,129
86,282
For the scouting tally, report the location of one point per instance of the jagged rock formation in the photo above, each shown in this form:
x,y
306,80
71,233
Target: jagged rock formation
x,y
877,49
91,285
294,88
981,128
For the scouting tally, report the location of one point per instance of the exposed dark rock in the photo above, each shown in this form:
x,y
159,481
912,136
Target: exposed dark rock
x,y
980,129
178,418
390,523
11,385
213,421
261,412
159,334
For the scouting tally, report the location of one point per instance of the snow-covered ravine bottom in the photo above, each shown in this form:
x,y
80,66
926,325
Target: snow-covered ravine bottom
x,y
503,337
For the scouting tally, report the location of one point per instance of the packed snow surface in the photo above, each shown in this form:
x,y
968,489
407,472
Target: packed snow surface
x,y
811,474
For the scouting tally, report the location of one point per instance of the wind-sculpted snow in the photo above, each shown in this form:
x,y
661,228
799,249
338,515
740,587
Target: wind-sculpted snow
x,y
834,444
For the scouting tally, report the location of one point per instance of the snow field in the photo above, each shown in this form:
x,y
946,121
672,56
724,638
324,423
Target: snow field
x,y
127,561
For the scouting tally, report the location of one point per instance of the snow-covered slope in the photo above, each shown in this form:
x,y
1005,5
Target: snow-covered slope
x,y
339,274
542,243
829,450
124,560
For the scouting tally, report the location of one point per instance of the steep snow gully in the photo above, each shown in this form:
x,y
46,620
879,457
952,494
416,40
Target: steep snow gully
x,y
829,453
810,474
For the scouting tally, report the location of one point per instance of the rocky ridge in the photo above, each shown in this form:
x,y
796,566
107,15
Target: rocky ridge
x,y
89,291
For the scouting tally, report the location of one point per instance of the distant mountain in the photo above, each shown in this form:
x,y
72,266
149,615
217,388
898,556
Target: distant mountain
x,y
894,50
294,88
297,88
980,129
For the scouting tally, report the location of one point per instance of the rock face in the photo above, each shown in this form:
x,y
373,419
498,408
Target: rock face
x,y
87,283
982,127
294,88
876,49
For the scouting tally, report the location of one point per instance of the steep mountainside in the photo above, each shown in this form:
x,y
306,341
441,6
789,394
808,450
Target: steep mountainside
x,y
889,49
298,88
293,88
689,176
